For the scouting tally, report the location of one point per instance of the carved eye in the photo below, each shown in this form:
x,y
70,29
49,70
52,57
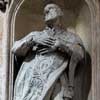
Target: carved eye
x,y
47,12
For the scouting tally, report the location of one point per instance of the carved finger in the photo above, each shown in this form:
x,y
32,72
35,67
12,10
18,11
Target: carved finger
x,y
41,50
43,43
44,52
48,43
49,40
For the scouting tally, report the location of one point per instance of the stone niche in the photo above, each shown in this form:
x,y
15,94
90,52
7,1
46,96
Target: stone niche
x,y
76,18
27,15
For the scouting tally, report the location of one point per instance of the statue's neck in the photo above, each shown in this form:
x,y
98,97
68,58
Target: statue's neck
x,y
54,30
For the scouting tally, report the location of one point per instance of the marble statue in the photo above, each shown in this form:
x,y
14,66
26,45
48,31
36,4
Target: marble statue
x,y
48,54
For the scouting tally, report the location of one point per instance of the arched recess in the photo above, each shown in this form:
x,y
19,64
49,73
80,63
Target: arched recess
x,y
10,31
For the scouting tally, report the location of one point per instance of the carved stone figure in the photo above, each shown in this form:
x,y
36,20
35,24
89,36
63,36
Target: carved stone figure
x,y
48,54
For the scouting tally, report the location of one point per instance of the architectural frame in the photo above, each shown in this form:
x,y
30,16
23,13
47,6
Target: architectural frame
x,y
8,39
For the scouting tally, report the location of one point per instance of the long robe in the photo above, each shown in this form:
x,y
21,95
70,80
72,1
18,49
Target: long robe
x,y
43,75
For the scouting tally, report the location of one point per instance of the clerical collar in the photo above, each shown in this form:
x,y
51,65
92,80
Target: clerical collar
x,y
50,31
54,28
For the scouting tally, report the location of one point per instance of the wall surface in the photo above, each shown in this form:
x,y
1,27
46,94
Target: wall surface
x,y
1,32
87,22
77,22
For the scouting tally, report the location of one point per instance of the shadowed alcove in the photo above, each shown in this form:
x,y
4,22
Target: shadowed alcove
x,y
77,20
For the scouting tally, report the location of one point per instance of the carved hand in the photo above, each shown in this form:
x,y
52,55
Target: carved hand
x,y
58,44
52,44
29,41
46,41
49,43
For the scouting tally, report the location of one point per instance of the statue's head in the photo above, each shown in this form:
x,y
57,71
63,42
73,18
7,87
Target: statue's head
x,y
52,11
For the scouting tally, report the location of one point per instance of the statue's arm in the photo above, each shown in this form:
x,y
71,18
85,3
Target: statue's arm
x,y
21,47
74,48
72,44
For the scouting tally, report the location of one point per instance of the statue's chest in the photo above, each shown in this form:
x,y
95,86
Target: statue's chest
x,y
53,34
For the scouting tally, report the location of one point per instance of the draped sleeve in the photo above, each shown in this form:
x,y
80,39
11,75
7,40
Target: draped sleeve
x,y
20,47
72,43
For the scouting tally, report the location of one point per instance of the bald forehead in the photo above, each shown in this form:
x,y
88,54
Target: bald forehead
x,y
49,6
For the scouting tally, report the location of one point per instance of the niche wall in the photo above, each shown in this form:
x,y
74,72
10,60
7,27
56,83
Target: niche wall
x,y
77,20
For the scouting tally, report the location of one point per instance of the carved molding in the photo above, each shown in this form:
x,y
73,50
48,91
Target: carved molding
x,y
94,6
